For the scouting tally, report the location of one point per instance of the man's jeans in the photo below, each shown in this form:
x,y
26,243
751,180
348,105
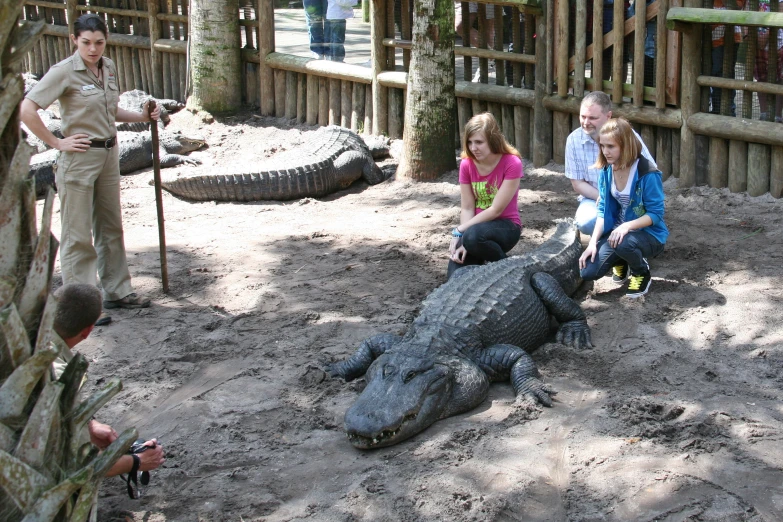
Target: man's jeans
x,y
586,215
636,248
487,242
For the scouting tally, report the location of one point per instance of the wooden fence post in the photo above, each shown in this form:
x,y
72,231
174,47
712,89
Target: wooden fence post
x,y
70,7
153,7
380,94
689,103
266,44
542,118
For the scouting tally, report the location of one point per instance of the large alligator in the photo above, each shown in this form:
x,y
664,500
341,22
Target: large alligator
x,y
475,329
330,160
135,153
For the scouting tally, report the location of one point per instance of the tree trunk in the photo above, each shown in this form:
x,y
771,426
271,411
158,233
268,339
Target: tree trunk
x,y
428,134
215,64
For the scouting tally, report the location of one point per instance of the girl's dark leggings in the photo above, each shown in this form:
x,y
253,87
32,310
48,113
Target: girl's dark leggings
x,y
487,242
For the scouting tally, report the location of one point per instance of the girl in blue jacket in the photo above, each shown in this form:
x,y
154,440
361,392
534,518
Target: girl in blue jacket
x,y
630,228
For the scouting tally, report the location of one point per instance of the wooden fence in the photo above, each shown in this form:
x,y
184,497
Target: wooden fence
x,y
561,49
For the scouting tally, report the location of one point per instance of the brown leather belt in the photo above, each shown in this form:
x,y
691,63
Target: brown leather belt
x,y
104,144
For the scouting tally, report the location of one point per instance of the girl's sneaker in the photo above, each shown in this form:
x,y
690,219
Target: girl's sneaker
x,y
620,273
639,284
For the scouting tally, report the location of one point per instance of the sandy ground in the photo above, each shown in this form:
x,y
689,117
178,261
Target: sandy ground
x,y
675,415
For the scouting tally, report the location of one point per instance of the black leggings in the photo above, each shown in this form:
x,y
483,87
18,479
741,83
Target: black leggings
x,y
487,242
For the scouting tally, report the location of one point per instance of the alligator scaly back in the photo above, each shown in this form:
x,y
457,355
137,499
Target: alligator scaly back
x,y
474,329
331,159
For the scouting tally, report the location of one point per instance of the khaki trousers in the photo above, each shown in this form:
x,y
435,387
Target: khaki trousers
x,y
89,187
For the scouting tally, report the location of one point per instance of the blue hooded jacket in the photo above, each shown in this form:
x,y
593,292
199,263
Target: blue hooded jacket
x,y
646,198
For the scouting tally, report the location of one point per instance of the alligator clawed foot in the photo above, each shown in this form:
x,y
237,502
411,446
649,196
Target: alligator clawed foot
x,y
535,391
576,334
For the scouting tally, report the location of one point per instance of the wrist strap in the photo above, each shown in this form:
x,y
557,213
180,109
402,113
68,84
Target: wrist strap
x,y
456,232
132,477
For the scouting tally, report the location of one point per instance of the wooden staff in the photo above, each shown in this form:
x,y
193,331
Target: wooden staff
x,y
164,266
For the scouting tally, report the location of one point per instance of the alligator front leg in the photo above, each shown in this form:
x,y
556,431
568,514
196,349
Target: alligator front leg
x,y
172,160
502,361
573,324
370,349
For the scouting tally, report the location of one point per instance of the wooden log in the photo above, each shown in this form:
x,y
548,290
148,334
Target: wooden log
x,y
597,68
467,60
522,130
405,30
280,93
530,68
759,162
519,48
561,128
301,97
776,172
146,85
648,137
312,99
702,144
323,102
464,114
166,78
561,50
509,130
50,49
542,118
671,118
728,127
618,66
334,102
346,110
127,68
336,70
638,52
680,18
378,30
689,103
290,95
580,43
136,67
265,13
368,104
750,62
478,106
661,43
663,155
495,109
718,171
357,108
500,63
395,113
738,166
676,141
64,48
156,63
481,16
71,16
183,77
41,45
744,85
388,56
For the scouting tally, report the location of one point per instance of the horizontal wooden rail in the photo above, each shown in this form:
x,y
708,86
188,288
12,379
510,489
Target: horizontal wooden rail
x,y
127,40
166,17
731,128
669,118
301,64
740,85
524,6
48,5
678,18
471,51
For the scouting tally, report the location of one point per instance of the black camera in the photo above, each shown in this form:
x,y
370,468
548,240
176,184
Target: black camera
x,y
139,446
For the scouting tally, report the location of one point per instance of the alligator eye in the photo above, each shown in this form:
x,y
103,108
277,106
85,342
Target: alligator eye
x,y
409,375
388,370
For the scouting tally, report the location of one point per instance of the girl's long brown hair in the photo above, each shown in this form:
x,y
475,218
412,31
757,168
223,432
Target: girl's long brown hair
x,y
487,124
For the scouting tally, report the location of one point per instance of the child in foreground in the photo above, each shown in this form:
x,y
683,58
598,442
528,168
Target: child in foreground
x,y
629,229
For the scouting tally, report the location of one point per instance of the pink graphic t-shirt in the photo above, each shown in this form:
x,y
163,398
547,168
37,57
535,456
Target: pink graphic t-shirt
x,y
486,187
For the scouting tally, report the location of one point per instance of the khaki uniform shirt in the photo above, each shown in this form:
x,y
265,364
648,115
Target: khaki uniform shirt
x,y
87,105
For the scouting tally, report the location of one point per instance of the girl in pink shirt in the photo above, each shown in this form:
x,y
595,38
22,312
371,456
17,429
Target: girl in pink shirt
x,y
489,185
